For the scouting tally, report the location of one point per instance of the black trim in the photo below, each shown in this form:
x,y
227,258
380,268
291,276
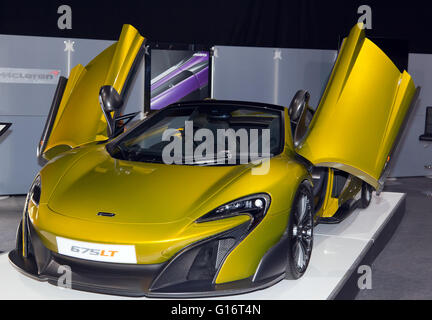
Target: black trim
x,y
210,72
320,195
133,71
229,102
427,135
179,266
194,95
424,137
106,214
58,95
131,280
183,75
339,181
274,262
342,213
5,128
122,137
178,46
147,79
255,219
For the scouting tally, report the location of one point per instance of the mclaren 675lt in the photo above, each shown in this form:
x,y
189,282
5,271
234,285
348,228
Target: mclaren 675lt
x,y
127,221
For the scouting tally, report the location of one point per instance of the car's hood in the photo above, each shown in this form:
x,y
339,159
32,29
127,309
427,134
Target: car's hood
x,y
137,192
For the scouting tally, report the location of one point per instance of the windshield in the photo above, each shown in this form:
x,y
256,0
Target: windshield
x,y
203,135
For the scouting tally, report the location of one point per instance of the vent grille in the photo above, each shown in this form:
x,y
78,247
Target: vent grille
x,y
224,246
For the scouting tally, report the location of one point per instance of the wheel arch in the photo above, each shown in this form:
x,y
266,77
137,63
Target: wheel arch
x,y
273,263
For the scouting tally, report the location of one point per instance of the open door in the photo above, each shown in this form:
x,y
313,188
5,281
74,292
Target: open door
x,y
76,117
361,112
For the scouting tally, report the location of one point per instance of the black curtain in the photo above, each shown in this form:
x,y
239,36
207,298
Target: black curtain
x,y
276,23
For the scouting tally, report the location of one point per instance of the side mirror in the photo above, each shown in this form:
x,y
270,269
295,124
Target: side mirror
x,y
110,101
298,112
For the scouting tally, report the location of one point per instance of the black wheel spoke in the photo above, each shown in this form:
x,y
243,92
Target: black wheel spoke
x,y
306,244
307,252
302,211
296,252
300,259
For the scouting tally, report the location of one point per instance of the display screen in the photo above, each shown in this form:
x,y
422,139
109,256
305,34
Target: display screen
x,y
178,75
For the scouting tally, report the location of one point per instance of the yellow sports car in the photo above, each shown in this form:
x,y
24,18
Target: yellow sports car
x,y
154,210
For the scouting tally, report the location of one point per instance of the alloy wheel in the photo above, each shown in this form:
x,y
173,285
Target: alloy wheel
x,y
302,231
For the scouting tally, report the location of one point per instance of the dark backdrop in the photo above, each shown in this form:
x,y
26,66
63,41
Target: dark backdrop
x,y
277,23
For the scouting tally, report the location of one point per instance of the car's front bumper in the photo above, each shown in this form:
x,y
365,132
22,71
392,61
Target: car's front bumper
x,y
184,276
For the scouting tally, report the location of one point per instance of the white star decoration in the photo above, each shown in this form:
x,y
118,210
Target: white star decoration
x,y
69,45
277,54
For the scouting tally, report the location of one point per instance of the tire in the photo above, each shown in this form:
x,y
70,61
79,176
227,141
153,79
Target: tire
x,y
300,232
366,195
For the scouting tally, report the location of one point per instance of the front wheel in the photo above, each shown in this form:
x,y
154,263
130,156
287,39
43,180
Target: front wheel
x,y
300,232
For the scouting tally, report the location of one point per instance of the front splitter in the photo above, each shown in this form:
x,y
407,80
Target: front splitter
x,y
126,280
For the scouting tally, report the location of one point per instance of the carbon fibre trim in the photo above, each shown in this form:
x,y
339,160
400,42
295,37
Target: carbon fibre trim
x,y
124,279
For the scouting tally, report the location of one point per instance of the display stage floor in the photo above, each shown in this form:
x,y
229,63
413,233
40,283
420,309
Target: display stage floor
x,y
339,250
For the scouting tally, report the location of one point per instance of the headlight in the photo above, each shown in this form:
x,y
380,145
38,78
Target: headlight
x,y
254,205
201,261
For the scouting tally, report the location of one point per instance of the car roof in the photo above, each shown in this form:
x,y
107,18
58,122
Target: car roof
x,y
211,102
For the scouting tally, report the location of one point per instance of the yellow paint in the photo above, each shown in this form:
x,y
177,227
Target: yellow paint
x,y
156,205
80,119
156,216
360,112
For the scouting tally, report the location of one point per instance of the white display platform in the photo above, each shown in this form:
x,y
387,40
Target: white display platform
x,y
337,251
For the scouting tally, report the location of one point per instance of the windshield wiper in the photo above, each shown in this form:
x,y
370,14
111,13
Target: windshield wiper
x,y
225,160
148,157
123,151
204,162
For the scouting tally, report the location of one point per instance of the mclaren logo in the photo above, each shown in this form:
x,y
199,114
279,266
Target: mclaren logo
x,y
33,76
106,214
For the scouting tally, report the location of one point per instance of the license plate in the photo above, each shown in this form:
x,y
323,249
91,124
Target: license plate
x,y
97,251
